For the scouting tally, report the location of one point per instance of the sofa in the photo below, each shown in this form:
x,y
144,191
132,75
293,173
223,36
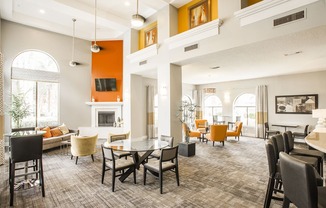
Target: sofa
x,y
55,135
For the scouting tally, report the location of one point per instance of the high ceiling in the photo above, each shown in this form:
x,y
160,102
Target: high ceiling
x,y
260,59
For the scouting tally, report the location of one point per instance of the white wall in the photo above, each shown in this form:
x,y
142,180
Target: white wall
x,y
75,83
297,84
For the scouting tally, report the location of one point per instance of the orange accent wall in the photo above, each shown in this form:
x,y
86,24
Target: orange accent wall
x,y
108,63
183,16
251,2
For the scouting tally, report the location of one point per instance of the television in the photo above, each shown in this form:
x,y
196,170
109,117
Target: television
x,y
105,84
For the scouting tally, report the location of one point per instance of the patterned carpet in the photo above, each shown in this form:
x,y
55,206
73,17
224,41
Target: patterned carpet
x,y
231,176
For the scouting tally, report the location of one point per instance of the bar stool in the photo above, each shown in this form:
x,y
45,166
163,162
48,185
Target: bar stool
x,y
25,149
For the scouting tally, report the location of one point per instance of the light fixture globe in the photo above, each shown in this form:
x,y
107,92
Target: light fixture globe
x,y
95,48
137,20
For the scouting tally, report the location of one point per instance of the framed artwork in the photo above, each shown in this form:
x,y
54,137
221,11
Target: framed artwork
x,y
151,36
296,104
199,13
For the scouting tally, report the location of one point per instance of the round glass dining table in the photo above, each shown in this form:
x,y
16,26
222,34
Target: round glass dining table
x,y
134,146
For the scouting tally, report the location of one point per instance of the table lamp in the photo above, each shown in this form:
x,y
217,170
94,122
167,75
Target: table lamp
x,y
321,123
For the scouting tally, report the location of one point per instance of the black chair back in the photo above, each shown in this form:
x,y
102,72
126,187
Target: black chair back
x,y
266,126
278,144
26,148
299,182
271,158
168,154
288,141
306,130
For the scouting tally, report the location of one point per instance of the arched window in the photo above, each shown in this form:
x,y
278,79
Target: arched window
x,y
245,109
35,77
212,108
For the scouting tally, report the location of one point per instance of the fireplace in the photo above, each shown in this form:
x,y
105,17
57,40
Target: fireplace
x,y
105,114
106,118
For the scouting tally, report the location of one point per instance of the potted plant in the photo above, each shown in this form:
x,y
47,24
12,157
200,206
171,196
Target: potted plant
x,y
19,109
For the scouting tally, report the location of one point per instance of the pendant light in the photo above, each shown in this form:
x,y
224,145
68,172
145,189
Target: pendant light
x,y
137,20
73,63
95,48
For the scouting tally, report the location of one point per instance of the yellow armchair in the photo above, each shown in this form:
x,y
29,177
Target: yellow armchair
x,y
217,133
190,133
83,146
235,132
201,124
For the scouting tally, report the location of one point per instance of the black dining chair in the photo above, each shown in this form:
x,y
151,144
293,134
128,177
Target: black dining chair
x,y
116,165
168,161
303,134
274,175
116,137
289,148
157,153
299,182
269,132
26,149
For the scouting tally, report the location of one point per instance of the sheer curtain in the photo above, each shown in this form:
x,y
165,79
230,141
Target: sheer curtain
x,y
2,157
150,111
199,109
261,109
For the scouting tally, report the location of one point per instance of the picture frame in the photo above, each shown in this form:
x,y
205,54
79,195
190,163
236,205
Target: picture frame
x,y
199,13
296,104
150,36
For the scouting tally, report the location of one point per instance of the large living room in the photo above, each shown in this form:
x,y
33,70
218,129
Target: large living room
x,y
136,70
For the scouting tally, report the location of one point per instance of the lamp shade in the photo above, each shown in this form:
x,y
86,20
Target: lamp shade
x,y
319,113
137,20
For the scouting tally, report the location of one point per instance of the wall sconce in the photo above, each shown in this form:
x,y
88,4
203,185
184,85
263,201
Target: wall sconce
x,y
164,91
321,115
226,97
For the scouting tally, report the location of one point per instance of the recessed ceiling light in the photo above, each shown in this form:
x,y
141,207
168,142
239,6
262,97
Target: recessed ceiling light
x,y
42,11
214,67
127,3
291,54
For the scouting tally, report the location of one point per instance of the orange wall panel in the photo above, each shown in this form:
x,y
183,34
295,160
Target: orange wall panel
x,y
251,2
108,63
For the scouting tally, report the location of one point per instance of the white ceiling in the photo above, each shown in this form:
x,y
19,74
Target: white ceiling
x,y
260,59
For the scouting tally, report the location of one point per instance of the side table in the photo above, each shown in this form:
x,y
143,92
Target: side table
x,y
187,149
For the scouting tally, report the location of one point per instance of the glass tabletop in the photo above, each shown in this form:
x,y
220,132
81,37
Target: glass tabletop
x,y
137,145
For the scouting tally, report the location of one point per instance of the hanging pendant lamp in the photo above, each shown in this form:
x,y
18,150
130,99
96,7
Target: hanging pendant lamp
x,y
73,63
95,48
137,20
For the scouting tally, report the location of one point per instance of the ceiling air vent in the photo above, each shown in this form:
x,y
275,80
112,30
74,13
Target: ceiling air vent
x,y
142,62
192,47
289,18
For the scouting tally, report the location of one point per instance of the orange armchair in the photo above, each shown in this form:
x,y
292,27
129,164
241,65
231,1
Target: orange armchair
x,y
200,124
190,133
217,133
235,132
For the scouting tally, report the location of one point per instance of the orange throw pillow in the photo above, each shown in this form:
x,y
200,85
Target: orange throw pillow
x,y
56,132
47,132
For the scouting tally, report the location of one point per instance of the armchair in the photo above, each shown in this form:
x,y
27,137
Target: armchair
x,y
190,133
235,132
83,146
200,124
217,133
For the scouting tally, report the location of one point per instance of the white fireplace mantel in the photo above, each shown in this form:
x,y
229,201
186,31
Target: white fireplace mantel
x,y
97,107
104,103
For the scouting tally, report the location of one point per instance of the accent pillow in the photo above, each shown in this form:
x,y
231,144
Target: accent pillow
x,y
63,128
56,132
47,132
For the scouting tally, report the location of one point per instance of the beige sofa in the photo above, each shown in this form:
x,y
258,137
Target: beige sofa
x,y
55,141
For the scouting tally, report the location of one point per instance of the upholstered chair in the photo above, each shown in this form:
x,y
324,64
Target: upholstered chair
x,y
268,131
157,153
168,161
201,124
217,133
189,132
235,132
83,146
299,181
115,137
